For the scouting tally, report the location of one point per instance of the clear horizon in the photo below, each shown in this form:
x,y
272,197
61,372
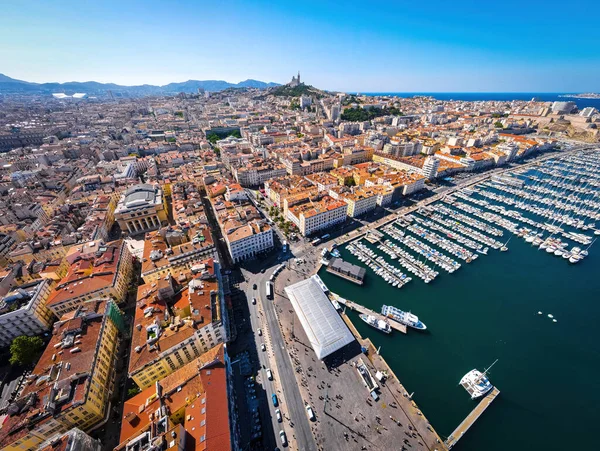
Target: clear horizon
x,y
437,47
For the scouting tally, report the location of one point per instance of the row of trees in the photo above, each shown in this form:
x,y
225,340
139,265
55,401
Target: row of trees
x,y
287,227
361,114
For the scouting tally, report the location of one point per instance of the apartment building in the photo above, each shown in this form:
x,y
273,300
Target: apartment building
x,y
360,201
72,383
171,250
191,409
23,311
430,167
101,219
317,215
72,440
254,175
324,181
247,240
277,190
96,270
176,323
245,232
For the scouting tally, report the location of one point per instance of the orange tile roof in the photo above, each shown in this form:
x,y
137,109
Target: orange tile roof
x,y
88,273
200,387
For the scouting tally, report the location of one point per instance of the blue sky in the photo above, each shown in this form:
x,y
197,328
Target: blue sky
x,y
508,46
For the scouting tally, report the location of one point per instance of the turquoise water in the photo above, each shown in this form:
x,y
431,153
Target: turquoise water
x,y
547,372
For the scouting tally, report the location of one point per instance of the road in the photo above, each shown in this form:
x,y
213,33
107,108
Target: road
x,y
257,322
291,401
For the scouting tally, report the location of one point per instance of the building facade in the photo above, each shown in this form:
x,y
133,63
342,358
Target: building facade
x,y
73,381
314,216
23,311
96,270
173,329
141,208
249,240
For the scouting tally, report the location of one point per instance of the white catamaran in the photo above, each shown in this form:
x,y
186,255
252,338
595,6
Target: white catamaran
x,y
477,383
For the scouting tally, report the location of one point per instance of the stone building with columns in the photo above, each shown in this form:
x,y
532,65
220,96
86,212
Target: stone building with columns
x,y
141,208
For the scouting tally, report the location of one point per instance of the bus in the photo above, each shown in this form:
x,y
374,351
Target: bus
x,y
316,241
269,290
324,237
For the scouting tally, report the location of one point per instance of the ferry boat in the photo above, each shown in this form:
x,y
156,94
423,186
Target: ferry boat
x,y
378,324
406,318
476,383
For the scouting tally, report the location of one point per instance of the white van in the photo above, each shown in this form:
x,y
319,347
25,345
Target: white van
x,y
311,413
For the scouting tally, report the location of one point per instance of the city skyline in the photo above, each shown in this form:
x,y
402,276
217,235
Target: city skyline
x,y
397,48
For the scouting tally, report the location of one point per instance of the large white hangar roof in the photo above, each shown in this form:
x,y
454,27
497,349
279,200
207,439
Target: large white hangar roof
x,y
324,327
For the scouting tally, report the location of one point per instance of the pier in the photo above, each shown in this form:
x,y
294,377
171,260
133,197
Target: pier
x,y
471,418
361,309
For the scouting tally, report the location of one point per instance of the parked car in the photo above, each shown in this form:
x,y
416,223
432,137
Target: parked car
x,y
278,415
274,399
269,375
283,438
254,287
263,347
253,301
259,332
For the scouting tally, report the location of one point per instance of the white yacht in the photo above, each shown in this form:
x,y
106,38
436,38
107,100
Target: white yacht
x,y
378,324
402,317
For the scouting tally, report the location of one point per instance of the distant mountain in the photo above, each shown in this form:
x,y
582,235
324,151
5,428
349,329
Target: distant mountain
x,y
12,86
5,79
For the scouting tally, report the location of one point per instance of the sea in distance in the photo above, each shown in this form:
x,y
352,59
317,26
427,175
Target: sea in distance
x,y
501,96
547,372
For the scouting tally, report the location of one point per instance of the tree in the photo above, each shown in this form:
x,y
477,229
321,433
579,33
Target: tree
x,y
213,138
24,350
498,124
132,392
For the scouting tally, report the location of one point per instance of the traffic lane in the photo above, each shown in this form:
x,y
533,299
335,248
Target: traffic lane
x,y
268,385
295,402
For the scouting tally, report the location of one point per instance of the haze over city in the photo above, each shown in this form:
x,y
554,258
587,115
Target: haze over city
x,y
379,46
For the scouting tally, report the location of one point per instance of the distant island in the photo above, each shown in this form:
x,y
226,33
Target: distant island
x,y
585,95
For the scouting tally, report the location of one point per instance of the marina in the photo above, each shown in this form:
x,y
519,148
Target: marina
x,y
520,238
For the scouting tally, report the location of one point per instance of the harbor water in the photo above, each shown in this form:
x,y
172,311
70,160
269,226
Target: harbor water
x,y
547,372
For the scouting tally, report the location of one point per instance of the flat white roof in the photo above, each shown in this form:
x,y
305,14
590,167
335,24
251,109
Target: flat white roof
x,y
324,327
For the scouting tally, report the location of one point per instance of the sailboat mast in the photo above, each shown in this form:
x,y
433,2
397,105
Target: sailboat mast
x,y
488,368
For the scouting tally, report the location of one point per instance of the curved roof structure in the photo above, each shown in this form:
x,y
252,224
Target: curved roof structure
x,y
139,195
323,325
